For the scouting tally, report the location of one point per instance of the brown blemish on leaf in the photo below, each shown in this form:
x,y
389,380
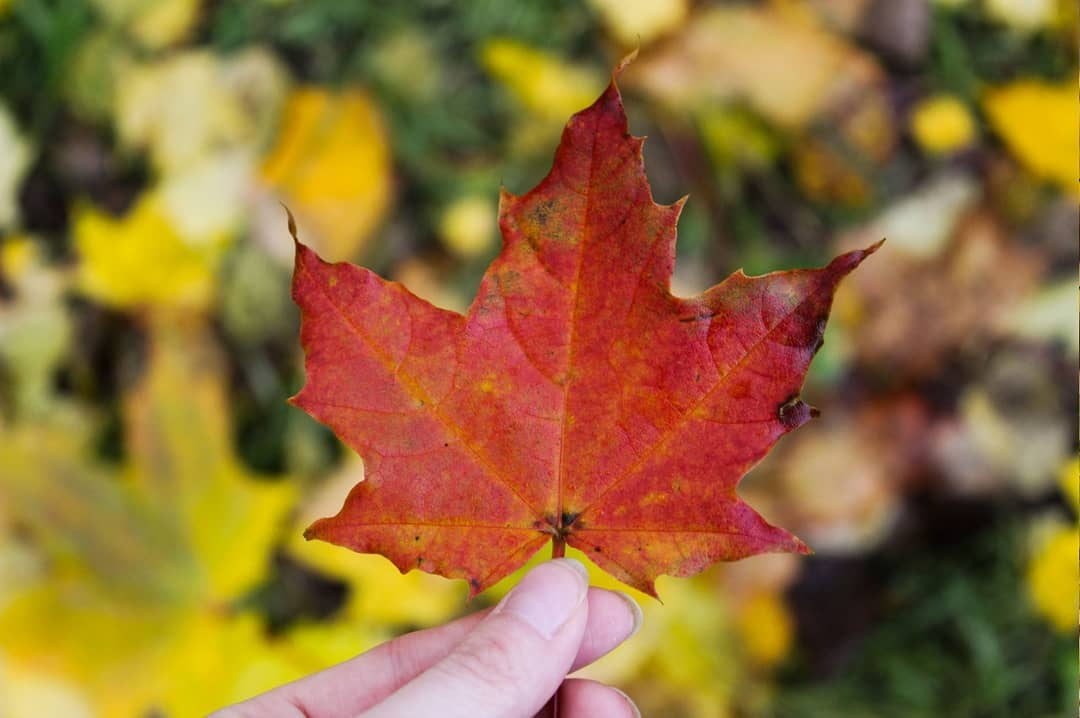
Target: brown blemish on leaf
x,y
793,413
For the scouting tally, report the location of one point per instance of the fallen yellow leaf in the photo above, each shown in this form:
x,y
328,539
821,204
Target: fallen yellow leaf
x,y
141,260
639,22
26,693
331,165
35,326
155,23
193,104
942,124
467,226
1037,122
139,607
543,84
1069,478
766,628
748,52
1053,577
16,153
836,104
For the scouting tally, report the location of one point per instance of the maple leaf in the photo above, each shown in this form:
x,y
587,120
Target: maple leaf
x,y
577,400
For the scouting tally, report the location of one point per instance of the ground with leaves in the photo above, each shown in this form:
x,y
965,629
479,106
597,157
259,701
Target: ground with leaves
x,y
154,484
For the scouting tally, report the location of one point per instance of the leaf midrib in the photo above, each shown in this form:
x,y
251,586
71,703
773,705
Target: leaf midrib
x,y
576,289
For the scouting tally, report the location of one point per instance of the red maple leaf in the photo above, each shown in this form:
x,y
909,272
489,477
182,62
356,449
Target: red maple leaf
x,y
577,400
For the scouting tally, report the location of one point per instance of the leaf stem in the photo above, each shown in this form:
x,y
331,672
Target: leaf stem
x,y
551,710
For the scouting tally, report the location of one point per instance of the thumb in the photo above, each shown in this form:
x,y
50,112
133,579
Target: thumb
x,y
513,661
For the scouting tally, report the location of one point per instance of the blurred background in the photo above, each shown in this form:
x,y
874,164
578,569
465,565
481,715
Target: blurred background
x,y
154,483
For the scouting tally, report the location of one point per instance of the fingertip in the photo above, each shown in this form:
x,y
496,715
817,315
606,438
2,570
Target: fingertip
x,y
636,616
574,565
548,596
580,697
613,618
634,710
514,659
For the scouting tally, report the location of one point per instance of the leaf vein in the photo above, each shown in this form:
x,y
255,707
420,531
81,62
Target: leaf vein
x,y
419,393
721,380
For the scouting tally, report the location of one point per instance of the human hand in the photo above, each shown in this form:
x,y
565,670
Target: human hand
x,y
506,662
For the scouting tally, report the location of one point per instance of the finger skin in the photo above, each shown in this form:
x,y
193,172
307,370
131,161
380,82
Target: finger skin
x,y
582,698
613,618
513,661
348,688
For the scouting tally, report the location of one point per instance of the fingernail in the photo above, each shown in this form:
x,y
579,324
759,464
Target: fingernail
x,y
548,595
629,700
635,611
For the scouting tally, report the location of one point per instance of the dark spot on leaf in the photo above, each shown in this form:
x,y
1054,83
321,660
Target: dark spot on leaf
x,y
542,212
819,336
794,412
416,538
